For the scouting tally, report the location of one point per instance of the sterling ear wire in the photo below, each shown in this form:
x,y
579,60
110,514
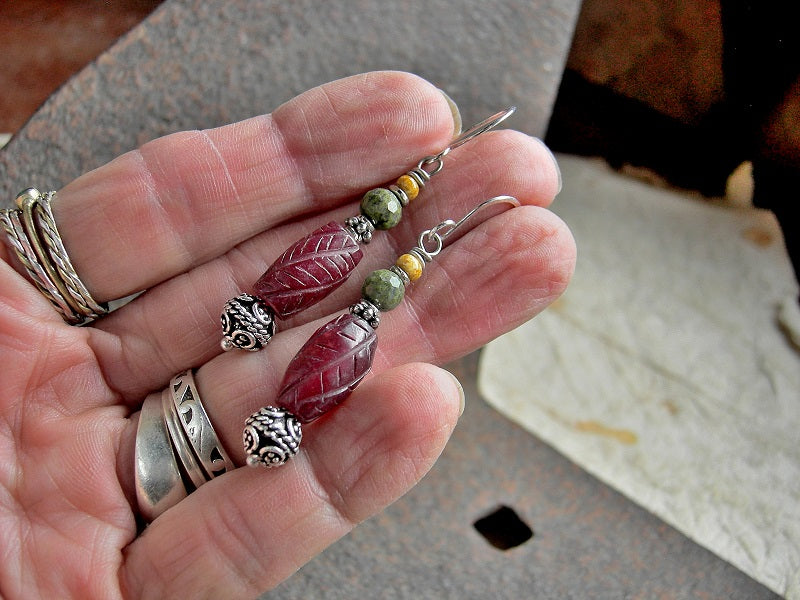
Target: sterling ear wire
x,y
338,355
314,266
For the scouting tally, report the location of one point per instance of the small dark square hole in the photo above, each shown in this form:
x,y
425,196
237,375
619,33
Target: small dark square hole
x,y
503,528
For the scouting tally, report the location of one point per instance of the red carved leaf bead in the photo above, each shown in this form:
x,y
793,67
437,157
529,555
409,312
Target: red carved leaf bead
x,y
309,270
328,367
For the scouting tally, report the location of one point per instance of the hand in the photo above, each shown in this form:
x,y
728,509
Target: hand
x,y
195,218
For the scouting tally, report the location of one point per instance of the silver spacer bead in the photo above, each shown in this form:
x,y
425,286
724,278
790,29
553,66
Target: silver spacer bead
x,y
401,274
420,175
247,323
426,258
400,194
368,311
361,227
271,437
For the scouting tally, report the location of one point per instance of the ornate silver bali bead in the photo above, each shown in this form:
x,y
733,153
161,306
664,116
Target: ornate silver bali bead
x,y
247,323
271,437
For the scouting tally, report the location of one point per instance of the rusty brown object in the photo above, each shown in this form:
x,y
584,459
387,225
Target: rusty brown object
x,y
666,55
44,43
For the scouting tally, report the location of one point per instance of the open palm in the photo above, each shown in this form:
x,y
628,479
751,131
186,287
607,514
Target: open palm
x,y
194,218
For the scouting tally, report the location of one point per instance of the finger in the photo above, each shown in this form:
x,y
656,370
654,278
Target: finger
x,y
37,349
497,277
247,531
446,314
176,325
26,321
181,200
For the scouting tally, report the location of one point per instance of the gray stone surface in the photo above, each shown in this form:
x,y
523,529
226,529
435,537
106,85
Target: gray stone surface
x,y
195,64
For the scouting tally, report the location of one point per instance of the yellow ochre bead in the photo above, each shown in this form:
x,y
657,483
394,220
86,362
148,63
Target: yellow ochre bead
x,y
411,265
409,185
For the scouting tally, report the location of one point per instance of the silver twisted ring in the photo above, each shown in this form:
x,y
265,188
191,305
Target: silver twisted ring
x,y
34,237
12,223
46,225
177,449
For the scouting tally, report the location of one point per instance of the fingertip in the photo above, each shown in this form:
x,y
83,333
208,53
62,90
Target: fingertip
x,y
438,114
537,171
407,110
502,162
525,256
445,116
455,113
430,399
547,253
450,389
385,437
546,151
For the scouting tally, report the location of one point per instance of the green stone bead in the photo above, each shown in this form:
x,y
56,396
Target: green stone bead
x,y
381,207
384,289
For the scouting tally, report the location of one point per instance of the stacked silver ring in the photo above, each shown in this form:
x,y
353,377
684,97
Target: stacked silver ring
x,y
177,449
34,236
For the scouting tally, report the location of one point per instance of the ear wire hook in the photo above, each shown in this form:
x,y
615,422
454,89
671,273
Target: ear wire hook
x,y
441,232
469,134
476,130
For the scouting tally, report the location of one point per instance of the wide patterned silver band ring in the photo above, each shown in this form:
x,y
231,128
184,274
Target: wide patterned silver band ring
x,y
177,449
34,237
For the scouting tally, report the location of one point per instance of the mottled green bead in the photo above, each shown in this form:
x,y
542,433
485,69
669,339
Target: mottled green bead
x,y
384,289
381,207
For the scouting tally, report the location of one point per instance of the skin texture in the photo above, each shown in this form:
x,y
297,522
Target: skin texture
x,y
195,218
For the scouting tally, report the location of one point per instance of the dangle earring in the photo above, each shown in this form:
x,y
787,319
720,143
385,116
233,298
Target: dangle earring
x,y
317,264
339,354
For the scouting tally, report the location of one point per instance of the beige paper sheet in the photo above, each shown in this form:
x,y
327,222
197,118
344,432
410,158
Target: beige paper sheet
x,y
664,370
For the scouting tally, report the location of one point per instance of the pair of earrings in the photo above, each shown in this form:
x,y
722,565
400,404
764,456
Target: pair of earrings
x,y
338,355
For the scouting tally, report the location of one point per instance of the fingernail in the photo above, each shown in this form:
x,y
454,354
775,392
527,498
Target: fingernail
x,y
454,111
462,399
555,164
